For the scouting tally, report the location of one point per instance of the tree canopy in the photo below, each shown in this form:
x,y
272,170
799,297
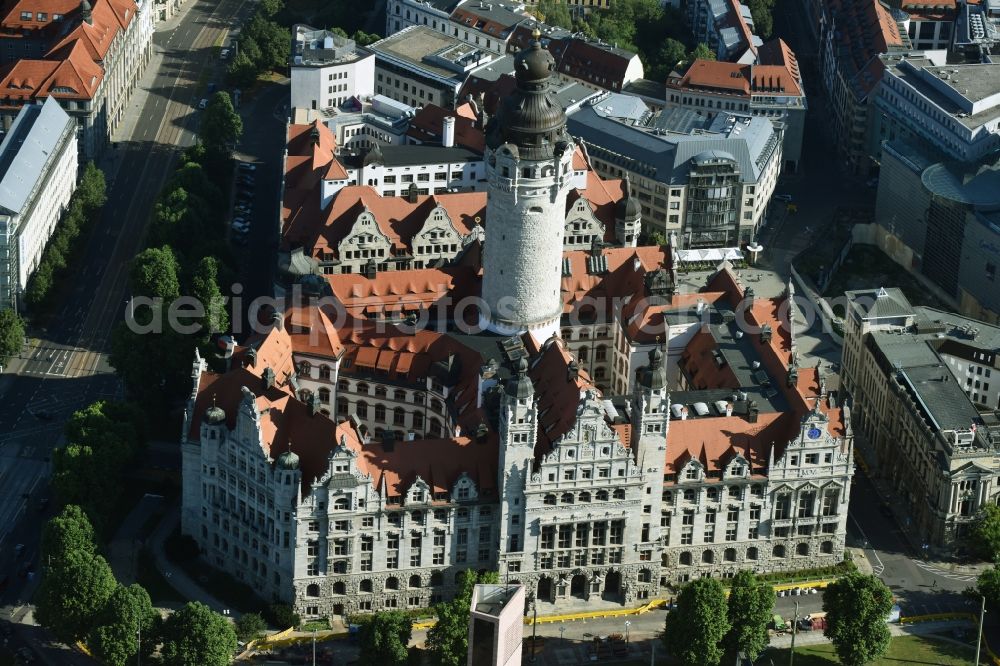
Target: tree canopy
x,y
695,629
221,126
749,610
205,288
72,592
984,537
11,335
448,639
554,12
68,531
249,625
857,606
116,637
988,585
197,635
384,639
154,274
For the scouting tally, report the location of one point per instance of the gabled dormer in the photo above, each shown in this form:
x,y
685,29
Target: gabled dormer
x,y
736,468
582,226
691,472
464,489
418,493
365,240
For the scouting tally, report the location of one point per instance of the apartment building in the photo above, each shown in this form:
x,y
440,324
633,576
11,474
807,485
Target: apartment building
x,y
918,377
436,14
90,70
726,27
327,70
38,168
853,36
705,180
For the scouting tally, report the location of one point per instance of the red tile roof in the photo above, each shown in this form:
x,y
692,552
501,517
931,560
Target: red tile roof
x,y
426,127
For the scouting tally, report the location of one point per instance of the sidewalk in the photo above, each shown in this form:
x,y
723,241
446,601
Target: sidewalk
x,y
186,587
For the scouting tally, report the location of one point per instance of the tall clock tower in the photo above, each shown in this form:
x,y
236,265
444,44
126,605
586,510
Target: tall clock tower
x,y
528,158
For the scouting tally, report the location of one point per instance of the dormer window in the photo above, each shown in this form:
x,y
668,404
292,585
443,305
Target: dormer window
x,y
691,474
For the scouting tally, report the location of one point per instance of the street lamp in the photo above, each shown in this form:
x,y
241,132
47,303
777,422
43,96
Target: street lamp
x,y
628,623
562,633
314,647
534,625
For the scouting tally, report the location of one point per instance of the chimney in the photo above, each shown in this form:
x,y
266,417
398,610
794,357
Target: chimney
x,y
269,378
752,411
371,269
411,193
448,132
684,413
458,431
729,409
278,320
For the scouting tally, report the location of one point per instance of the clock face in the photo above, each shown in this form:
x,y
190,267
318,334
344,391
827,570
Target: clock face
x,y
813,433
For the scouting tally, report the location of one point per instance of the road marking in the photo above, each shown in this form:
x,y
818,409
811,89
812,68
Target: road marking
x,y
878,568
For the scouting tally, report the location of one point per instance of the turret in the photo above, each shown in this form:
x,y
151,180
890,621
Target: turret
x,y
628,217
650,415
518,432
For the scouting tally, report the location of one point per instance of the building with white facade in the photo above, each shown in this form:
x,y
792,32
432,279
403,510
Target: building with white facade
x,y
952,107
91,70
436,14
920,380
361,463
38,167
726,26
707,180
496,621
327,69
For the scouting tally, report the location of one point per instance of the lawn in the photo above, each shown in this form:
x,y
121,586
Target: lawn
x,y
911,650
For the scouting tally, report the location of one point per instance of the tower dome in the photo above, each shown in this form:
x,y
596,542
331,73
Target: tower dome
x,y
652,376
288,461
215,415
531,118
519,385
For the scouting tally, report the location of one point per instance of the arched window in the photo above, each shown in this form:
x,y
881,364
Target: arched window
x,y
399,395
365,585
380,392
567,498
602,495
778,552
361,409
645,576
689,494
379,412
305,368
324,395
436,405
342,406
730,555
398,416
550,500
712,494
341,504
584,497
414,581
600,352
619,493
685,559
583,353
362,388
324,372
707,557
418,421
339,587
437,578
343,385
312,590
802,549
392,583
826,548
752,553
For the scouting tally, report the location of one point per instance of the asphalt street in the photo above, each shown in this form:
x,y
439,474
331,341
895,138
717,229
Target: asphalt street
x,y
65,365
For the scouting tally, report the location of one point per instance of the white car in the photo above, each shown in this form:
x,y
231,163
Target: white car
x,y
224,53
203,104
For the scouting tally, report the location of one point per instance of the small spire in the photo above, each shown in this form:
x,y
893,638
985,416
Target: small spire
x,y
536,34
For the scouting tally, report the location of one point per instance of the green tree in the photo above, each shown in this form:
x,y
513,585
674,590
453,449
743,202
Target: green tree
x,y
71,594
11,335
270,8
283,616
988,585
92,192
554,12
698,625
763,21
242,71
68,532
249,625
205,288
984,537
362,38
80,477
251,49
857,606
657,237
702,52
40,284
383,640
671,53
221,126
154,274
115,639
448,639
750,604
197,635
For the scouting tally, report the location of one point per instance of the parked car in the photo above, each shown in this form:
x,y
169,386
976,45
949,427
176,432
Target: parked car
x,y
782,197
247,166
224,53
203,104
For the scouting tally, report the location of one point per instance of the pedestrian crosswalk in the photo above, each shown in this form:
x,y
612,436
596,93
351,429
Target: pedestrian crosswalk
x,y
944,573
